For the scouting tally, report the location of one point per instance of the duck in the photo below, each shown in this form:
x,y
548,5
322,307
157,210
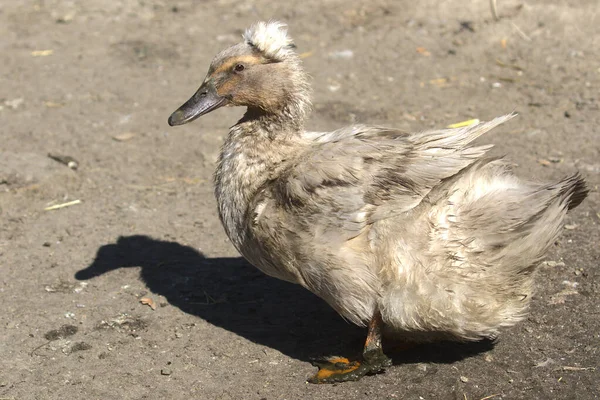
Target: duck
x,y
420,235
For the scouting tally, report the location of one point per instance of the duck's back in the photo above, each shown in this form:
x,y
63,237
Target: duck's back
x,y
422,226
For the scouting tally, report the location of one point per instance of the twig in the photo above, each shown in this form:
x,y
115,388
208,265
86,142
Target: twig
x,y
520,32
494,9
155,187
63,205
489,397
512,66
32,352
567,368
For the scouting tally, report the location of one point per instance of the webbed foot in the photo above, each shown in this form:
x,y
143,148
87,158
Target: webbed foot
x,y
337,369
340,369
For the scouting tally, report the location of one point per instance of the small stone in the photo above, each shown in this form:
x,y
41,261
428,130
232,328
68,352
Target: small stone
x,y
80,288
80,346
14,104
342,54
570,284
66,18
553,264
65,160
124,137
464,379
166,371
555,159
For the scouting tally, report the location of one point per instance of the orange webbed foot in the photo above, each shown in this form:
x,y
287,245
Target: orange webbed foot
x,y
340,369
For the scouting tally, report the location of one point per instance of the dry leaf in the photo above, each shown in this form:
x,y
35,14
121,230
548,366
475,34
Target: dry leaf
x,y
149,302
440,82
42,53
423,51
462,124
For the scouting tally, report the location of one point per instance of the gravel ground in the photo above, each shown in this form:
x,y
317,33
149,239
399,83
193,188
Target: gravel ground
x,y
96,81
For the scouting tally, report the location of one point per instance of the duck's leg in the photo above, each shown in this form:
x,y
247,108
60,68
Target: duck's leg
x,y
340,369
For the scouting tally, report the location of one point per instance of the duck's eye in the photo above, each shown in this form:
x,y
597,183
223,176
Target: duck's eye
x,y
239,67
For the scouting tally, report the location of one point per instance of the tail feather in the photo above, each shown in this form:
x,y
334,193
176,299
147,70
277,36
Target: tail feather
x,y
574,190
505,221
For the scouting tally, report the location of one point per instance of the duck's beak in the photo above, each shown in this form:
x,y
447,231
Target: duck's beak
x,y
202,102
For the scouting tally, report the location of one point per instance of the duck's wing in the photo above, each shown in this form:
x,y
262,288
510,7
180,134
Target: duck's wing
x,y
361,174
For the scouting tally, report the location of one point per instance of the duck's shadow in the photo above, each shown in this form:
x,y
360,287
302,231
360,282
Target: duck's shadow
x,y
231,294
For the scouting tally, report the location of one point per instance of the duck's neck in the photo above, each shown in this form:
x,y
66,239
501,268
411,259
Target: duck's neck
x,y
254,152
289,119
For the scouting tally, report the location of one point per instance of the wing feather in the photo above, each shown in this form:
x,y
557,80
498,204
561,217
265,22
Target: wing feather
x,y
362,174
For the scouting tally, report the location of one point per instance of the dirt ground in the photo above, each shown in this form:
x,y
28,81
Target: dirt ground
x,y
96,81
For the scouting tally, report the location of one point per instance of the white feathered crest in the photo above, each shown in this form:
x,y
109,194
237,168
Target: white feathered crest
x,y
271,39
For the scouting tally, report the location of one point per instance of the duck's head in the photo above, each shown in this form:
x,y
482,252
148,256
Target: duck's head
x,y
262,73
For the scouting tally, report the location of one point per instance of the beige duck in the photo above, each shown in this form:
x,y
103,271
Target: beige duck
x,y
419,233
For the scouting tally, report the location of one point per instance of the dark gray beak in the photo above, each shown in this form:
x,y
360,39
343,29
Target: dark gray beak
x,y
202,102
